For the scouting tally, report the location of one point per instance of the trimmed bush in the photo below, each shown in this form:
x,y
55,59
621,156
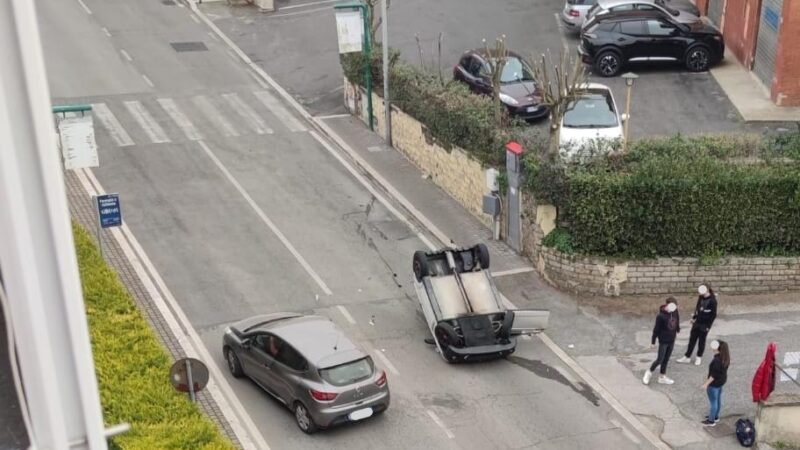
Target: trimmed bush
x,y
133,369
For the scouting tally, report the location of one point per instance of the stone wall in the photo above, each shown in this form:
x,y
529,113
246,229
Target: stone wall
x,y
453,170
777,420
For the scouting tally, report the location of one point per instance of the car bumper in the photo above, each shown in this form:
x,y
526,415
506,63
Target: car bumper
x,y
482,352
584,55
335,415
528,111
572,23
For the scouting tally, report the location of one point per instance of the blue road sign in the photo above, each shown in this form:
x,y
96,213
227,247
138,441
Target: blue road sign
x,y
109,210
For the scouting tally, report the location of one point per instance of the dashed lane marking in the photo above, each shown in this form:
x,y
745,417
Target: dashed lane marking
x,y
441,424
346,314
110,122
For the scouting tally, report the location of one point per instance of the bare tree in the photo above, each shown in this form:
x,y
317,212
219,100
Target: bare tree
x,y
497,58
374,21
560,83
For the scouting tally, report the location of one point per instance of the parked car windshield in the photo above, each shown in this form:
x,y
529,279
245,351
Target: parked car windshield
x,y
348,373
516,70
594,109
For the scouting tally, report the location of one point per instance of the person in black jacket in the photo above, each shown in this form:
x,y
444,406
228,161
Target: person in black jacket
x,y
668,325
717,376
704,314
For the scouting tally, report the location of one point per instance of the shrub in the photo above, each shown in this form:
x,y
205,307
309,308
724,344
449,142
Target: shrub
x,y
133,369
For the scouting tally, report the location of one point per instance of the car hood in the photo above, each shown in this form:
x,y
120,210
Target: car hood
x,y
524,92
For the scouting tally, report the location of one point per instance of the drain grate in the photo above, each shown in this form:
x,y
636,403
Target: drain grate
x,y
189,46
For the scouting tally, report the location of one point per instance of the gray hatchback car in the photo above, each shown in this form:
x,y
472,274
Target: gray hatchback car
x,y
309,365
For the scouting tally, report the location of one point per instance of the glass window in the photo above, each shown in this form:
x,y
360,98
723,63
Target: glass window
x,y
634,27
645,7
594,109
515,70
348,373
291,358
268,344
475,67
625,7
659,28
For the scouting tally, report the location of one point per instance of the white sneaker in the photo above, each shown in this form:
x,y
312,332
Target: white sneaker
x,y
663,379
647,376
698,361
683,360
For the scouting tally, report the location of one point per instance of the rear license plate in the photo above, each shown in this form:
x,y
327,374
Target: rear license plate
x,y
360,414
533,108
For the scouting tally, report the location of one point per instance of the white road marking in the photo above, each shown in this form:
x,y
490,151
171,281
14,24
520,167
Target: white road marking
x,y
125,54
266,219
307,11
439,422
333,116
180,119
280,111
632,437
791,358
562,32
146,121
85,8
504,273
105,30
148,81
195,18
258,79
386,362
249,115
204,105
346,314
303,5
241,423
110,122
788,374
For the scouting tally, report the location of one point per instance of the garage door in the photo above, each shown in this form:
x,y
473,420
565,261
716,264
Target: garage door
x,y
767,43
715,8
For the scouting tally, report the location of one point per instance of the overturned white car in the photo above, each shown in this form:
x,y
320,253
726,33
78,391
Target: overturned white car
x,y
463,308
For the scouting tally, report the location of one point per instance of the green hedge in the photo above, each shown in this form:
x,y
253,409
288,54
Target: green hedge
x,y
133,369
680,197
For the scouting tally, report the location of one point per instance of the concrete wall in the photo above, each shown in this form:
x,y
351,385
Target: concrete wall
x,y
778,420
453,170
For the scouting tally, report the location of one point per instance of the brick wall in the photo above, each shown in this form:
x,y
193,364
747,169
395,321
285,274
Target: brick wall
x,y
453,170
786,84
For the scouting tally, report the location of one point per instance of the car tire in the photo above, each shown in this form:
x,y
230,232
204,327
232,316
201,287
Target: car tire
x,y
420,265
483,255
608,63
446,335
698,59
304,420
234,366
508,323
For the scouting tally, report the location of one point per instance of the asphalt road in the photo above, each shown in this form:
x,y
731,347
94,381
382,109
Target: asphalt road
x,y
244,212
297,46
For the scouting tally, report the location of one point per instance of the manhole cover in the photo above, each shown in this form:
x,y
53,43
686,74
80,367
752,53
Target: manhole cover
x,y
189,46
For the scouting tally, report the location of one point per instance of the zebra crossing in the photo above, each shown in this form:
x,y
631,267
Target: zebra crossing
x,y
163,120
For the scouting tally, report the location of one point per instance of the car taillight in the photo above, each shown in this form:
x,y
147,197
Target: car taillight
x,y
574,13
322,396
381,379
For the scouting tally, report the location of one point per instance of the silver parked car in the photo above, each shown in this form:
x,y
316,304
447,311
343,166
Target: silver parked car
x,y
681,11
574,13
309,365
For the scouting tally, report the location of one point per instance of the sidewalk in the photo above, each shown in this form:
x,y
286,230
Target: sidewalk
x,y
748,94
611,345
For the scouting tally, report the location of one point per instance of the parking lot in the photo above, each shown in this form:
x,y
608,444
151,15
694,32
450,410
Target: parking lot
x,y
297,45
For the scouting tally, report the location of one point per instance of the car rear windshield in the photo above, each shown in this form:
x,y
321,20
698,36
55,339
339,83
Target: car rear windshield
x,y
348,373
516,70
594,109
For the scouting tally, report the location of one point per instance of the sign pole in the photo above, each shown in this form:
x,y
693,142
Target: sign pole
x,y
368,65
387,105
190,380
99,228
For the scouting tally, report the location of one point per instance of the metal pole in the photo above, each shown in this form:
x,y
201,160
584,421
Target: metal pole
x,y
628,114
190,380
368,64
387,105
99,228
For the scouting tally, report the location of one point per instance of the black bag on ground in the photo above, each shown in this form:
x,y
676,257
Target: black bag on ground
x,y
745,432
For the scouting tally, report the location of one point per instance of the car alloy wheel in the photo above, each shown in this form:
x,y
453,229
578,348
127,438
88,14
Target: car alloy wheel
x,y
231,361
608,64
697,61
303,419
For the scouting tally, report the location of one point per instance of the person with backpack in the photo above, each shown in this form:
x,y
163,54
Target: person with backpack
x,y
717,376
704,314
668,325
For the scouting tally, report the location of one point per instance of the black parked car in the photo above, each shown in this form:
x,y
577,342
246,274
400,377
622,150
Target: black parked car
x,y
619,38
517,88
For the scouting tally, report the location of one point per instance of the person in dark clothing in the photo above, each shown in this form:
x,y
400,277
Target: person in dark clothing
x,y
704,314
668,325
717,376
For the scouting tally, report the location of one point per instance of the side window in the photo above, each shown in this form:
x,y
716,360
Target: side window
x,y
465,62
632,27
607,27
291,358
659,28
645,7
269,344
626,7
474,66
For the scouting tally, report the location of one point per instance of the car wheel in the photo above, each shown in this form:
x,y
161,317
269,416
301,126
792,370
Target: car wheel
x,y
446,335
698,59
420,265
303,419
483,255
234,365
508,323
608,63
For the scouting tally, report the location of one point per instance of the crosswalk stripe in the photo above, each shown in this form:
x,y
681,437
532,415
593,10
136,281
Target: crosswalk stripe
x,y
256,122
146,121
204,105
278,109
110,122
180,119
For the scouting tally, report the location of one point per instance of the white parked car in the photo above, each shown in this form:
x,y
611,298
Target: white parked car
x,y
591,124
575,13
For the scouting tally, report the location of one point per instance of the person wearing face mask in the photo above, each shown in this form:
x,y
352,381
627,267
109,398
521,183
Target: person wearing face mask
x,y
717,376
704,314
667,327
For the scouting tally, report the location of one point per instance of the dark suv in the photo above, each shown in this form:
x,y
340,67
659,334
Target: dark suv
x,y
619,38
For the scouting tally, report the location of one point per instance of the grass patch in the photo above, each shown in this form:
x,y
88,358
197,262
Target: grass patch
x,y
133,368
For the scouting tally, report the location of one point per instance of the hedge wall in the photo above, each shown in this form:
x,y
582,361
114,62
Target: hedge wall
x,y
133,369
680,197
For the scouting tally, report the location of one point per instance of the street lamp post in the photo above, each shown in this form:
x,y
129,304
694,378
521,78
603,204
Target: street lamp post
x,y
630,79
